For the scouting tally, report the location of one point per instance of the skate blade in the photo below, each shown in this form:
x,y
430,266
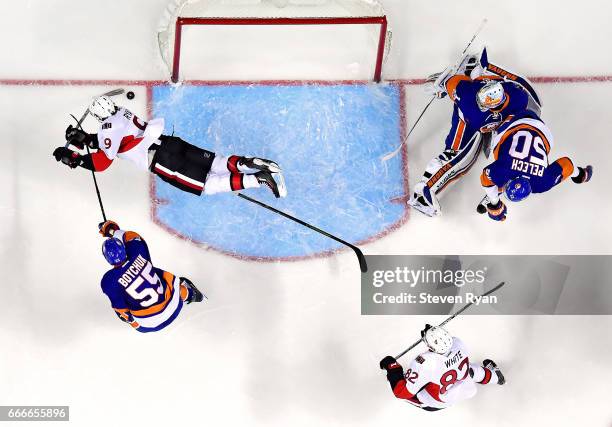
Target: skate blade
x,y
280,183
425,210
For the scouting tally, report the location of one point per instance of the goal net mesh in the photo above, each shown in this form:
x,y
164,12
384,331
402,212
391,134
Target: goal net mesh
x,y
180,51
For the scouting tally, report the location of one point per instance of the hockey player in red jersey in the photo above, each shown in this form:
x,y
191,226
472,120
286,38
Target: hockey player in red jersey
x,y
175,161
441,376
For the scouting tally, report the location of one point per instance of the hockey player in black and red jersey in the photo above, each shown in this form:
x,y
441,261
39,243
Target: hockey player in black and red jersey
x,y
441,376
175,161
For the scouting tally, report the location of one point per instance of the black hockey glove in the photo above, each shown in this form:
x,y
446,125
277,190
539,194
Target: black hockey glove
x,y
67,156
424,331
386,362
79,138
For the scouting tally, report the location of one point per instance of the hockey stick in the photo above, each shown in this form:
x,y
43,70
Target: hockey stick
x,y
93,174
455,314
113,92
362,261
392,154
482,206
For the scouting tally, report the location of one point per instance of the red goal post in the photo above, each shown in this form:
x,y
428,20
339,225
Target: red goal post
x,y
173,51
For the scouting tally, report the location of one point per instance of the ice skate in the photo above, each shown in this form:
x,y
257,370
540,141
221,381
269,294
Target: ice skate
x,y
489,364
196,295
274,181
260,164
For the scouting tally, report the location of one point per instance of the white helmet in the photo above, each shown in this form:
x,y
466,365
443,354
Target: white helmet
x,y
438,340
490,96
102,108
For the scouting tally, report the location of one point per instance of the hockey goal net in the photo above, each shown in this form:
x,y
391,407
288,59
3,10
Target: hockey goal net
x,y
274,39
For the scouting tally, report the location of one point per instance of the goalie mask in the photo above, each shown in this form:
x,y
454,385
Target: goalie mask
x,y
490,96
438,340
518,189
102,108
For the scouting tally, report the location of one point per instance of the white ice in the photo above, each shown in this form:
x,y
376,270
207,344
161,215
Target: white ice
x,y
284,344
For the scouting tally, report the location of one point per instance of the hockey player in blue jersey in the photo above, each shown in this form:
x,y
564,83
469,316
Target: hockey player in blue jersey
x,y
482,101
145,297
520,165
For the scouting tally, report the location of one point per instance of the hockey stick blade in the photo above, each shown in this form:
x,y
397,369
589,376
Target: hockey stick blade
x,y
363,266
482,206
392,154
458,312
114,92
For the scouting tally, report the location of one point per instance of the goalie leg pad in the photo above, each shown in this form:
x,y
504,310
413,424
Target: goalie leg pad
x,y
451,165
181,164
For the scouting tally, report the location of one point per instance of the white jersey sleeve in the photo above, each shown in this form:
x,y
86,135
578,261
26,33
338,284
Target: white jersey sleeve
x,y
124,135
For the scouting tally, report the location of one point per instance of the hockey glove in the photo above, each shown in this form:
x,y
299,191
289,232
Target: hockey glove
x,y
424,331
107,228
497,211
79,138
432,88
67,157
387,362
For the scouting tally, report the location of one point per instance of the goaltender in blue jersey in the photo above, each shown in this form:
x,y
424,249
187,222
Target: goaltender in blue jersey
x,y
145,297
483,100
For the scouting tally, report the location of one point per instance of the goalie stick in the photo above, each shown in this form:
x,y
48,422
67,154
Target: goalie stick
x,y
362,261
392,154
452,316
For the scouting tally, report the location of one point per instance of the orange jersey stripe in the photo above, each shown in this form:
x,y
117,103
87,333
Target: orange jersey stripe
x,y
451,85
567,167
485,181
489,77
130,235
458,135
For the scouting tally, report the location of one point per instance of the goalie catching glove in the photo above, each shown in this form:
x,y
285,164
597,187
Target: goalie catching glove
x,y
435,84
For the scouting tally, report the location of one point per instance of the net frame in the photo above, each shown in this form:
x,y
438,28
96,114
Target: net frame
x,y
357,12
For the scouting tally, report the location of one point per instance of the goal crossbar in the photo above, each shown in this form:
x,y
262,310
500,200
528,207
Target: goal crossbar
x,y
358,20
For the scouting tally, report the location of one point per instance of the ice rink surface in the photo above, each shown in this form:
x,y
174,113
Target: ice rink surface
x,y
283,343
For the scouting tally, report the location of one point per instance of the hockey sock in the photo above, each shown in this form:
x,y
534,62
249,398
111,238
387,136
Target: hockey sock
x,y
481,375
232,164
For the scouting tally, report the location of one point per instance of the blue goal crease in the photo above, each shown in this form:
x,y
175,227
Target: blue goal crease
x,y
328,139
